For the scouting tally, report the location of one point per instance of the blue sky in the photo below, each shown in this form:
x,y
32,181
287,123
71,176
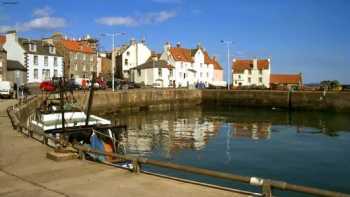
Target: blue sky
x,y
308,36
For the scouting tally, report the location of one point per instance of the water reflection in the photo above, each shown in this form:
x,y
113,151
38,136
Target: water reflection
x,y
252,130
171,132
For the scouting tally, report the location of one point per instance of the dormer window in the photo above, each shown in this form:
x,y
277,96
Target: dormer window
x,y
32,47
52,49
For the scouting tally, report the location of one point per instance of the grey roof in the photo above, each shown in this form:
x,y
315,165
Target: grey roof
x,y
42,48
154,64
15,65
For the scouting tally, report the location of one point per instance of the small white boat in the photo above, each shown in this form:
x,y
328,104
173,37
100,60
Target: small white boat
x,y
51,121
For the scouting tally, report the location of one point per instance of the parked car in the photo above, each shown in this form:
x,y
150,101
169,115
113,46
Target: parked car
x,y
102,84
48,86
6,89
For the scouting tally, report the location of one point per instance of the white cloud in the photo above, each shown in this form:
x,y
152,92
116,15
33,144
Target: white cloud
x,y
41,12
145,19
41,21
118,20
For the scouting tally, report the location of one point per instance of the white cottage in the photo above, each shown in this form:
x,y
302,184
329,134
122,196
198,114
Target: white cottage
x,y
154,72
39,58
131,55
255,72
191,66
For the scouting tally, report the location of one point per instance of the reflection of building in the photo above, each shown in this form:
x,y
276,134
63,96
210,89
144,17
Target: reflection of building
x,y
253,130
168,133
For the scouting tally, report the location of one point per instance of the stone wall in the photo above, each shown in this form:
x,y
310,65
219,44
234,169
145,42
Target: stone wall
x,y
135,100
301,100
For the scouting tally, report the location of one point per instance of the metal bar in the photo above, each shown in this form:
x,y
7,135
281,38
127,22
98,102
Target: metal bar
x,y
91,95
272,183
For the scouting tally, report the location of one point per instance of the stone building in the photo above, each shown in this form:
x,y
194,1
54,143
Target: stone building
x,y
80,59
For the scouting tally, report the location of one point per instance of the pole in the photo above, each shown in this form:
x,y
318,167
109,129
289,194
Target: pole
x,y
228,66
113,61
91,94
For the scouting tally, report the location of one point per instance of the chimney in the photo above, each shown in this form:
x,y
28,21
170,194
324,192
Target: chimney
x,y
255,63
214,58
178,44
199,45
11,36
167,46
132,41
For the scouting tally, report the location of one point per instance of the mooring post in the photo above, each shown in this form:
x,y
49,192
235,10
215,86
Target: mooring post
x,y
81,154
136,168
266,188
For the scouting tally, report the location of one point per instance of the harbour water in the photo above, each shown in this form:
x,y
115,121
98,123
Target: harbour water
x,y
306,148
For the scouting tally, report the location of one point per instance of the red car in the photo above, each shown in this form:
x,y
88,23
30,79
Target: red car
x,y
102,84
47,86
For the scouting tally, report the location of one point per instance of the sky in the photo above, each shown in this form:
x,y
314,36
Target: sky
x,y
308,36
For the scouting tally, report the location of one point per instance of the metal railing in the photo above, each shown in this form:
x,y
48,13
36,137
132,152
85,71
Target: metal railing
x,y
266,185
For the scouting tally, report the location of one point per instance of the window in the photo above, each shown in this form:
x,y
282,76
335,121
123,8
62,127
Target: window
x,y
260,71
260,79
249,80
160,72
84,57
35,61
46,61
182,65
84,68
46,74
139,72
55,61
91,68
35,73
126,61
208,74
127,53
239,76
236,82
91,58
200,74
180,75
76,67
184,75
76,56
250,71
171,72
55,73
52,49
201,65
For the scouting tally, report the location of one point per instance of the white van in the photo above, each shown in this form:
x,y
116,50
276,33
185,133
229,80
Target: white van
x,y
6,89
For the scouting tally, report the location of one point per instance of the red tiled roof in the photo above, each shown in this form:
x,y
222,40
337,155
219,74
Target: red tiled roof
x,y
285,78
181,54
185,55
76,46
239,66
2,40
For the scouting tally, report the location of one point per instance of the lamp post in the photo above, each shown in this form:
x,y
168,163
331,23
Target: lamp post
x,y
228,43
114,37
